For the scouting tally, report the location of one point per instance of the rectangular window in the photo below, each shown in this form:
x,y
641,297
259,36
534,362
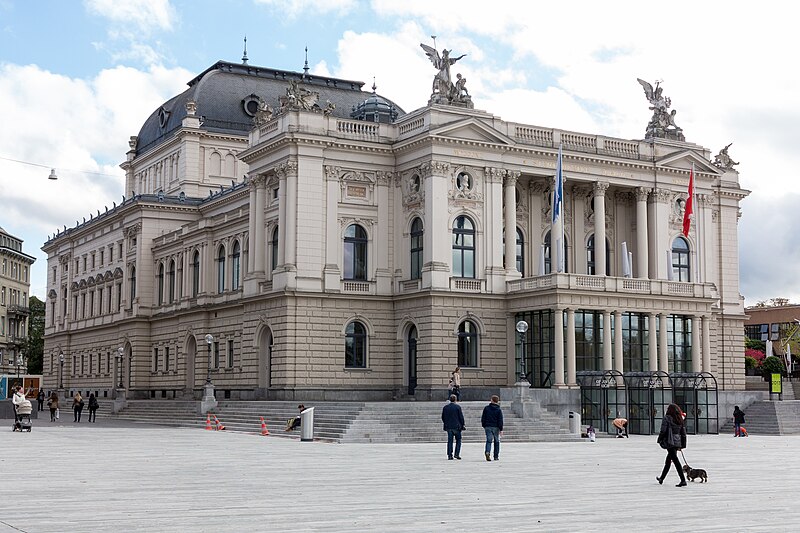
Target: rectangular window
x,y
54,274
589,336
230,353
74,368
25,274
774,329
635,345
93,266
91,303
99,301
155,359
120,250
90,363
108,362
679,343
83,364
216,354
166,358
119,296
75,307
84,263
111,254
101,257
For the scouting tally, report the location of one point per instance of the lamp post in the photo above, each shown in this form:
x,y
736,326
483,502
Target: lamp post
x,y
19,362
120,353
61,373
521,328
209,341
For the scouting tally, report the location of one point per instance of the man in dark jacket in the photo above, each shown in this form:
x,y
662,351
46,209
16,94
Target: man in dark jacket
x,y
453,421
492,422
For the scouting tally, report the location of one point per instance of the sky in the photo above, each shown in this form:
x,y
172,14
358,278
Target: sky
x,y
78,78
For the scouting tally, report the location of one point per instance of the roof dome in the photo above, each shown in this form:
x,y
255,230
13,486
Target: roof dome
x,y
375,109
226,96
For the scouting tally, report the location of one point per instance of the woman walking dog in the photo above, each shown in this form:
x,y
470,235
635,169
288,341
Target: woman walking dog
x,y
672,438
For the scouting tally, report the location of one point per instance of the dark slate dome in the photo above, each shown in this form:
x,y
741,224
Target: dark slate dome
x,y
226,95
375,109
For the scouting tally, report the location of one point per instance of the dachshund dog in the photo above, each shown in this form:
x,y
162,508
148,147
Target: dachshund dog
x,y
694,473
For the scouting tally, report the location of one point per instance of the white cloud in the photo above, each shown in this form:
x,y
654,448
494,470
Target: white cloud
x,y
146,15
294,8
84,127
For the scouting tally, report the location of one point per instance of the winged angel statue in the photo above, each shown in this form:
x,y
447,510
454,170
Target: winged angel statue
x,y
662,123
444,91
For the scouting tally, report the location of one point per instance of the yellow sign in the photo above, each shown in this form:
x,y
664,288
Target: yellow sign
x,y
775,384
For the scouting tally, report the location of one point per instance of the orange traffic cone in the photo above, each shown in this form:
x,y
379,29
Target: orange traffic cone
x,y
264,430
208,423
219,427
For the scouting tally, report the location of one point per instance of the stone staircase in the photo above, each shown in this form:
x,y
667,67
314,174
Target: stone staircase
x,y
376,422
770,418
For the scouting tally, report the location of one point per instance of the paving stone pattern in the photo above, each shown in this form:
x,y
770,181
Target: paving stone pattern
x,y
122,476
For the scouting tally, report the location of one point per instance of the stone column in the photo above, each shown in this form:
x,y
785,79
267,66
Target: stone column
x,y
282,215
437,236
618,364
535,229
659,232
251,225
558,326
706,343
257,239
607,344
600,189
652,341
333,242
290,169
510,222
579,193
642,268
697,352
663,355
571,348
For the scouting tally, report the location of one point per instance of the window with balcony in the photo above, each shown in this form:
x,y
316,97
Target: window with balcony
x,y
355,253
463,248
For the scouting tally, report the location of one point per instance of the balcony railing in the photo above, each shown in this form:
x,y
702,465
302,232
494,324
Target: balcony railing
x,y
17,309
582,282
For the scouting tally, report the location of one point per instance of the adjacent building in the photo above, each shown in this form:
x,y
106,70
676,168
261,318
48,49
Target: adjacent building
x,y
285,235
15,268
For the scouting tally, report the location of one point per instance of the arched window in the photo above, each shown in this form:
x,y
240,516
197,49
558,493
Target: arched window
x,y
416,248
355,345
160,283
463,248
235,261
132,284
680,259
221,270
355,253
591,257
274,257
171,275
467,344
547,261
195,274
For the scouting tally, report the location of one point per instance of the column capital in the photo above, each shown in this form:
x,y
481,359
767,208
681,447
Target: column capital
x,y
642,193
661,196
496,175
510,179
434,168
600,188
287,169
258,181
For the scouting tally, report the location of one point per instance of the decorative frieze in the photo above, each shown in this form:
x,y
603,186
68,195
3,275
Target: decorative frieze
x,y
434,168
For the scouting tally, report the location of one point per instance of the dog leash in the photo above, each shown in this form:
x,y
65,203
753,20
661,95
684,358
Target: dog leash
x,y
684,459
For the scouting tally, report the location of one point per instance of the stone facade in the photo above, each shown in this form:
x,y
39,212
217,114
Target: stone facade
x,y
15,286
325,253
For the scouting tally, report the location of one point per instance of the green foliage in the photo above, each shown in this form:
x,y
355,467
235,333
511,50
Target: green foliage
x,y
772,365
754,344
750,362
33,348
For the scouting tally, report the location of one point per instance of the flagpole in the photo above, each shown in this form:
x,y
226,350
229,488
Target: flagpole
x,y
697,277
561,259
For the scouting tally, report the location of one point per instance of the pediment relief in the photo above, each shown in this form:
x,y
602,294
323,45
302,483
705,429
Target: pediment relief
x,y
683,161
357,176
118,273
108,276
52,294
472,129
98,278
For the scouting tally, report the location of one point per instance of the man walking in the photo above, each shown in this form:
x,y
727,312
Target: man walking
x,y
453,420
492,422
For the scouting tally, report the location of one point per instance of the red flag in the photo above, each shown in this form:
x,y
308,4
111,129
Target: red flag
x,y
688,213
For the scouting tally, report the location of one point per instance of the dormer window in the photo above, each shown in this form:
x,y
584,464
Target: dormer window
x,y
163,116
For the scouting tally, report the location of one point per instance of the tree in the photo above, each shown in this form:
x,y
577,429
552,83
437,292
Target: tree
x,y
33,347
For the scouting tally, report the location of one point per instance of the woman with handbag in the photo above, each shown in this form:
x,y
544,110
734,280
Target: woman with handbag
x,y
672,438
455,383
77,406
52,403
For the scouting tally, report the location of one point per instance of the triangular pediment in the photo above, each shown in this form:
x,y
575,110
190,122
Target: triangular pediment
x,y
471,129
683,161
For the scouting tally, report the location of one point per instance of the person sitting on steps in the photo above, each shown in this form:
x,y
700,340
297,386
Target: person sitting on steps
x,y
294,422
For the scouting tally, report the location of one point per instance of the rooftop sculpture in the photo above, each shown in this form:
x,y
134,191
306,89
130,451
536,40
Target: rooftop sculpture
x,y
662,123
444,91
723,160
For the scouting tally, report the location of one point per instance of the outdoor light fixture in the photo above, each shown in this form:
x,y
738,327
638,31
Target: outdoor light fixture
x,y
120,352
52,175
209,340
521,328
61,363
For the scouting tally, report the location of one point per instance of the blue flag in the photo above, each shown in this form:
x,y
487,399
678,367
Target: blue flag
x,y
558,193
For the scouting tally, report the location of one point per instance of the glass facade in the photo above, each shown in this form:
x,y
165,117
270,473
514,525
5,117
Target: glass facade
x,y
539,347
679,343
635,342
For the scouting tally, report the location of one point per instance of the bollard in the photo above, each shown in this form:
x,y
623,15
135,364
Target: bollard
x,y
574,422
307,425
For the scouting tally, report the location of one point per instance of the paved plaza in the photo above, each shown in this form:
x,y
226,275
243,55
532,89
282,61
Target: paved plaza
x,y
112,476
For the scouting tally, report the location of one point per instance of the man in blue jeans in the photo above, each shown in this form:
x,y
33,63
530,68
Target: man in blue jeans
x,y
492,422
453,420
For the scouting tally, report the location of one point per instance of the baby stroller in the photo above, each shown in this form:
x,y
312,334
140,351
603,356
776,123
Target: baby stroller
x,y
22,418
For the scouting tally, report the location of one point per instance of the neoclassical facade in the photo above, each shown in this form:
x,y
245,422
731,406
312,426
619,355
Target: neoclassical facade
x,y
15,283
336,247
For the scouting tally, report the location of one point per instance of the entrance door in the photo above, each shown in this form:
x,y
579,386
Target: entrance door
x,y
412,360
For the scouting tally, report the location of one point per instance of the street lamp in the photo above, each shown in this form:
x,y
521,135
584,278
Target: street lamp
x,y
61,375
521,328
209,340
120,352
20,362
